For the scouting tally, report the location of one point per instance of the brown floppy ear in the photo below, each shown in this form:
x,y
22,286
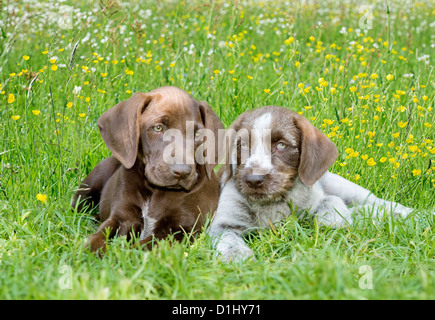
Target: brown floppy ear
x,y
119,128
212,122
229,147
318,153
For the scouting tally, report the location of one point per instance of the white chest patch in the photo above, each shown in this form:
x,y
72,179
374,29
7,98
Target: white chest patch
x,y
260,158
148,223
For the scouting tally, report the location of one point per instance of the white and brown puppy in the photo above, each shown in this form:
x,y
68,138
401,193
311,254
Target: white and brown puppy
x,y
285,170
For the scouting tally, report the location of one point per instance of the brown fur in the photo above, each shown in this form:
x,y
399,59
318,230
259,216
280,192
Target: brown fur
x,y
136,174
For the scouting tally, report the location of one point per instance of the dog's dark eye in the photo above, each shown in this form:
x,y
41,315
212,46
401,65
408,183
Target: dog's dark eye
x,y
281,146
157,128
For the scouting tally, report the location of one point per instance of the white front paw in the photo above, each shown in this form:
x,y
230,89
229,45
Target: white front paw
x,y
234,253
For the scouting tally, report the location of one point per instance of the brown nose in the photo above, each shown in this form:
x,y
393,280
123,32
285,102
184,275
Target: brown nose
x,y
181,171
255,181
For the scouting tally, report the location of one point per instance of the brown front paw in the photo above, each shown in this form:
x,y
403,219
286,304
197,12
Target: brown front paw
x,y
96,244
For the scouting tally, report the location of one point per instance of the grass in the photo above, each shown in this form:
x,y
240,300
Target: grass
x,y
371,91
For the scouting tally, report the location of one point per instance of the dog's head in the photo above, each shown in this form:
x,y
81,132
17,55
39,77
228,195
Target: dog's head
x,y
134,130
270,147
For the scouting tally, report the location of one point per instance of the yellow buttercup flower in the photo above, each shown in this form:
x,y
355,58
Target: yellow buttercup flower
x,y
11,98
36,112
289,41
390,77
16,117
402,124
41,197
371,162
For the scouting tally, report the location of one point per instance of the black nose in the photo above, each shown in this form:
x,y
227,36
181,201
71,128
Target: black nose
x,y
255,181
181,171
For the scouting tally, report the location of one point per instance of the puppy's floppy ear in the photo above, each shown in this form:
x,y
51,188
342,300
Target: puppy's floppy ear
x,y
212,122
318,153
229,147
120,129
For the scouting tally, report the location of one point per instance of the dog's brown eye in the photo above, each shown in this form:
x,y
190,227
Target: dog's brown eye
x,y
157,128
281,146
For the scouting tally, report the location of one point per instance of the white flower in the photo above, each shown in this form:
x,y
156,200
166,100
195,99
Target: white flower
x,y
77,90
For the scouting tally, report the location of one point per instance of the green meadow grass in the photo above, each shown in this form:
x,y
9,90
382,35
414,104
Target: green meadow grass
x,y
370,90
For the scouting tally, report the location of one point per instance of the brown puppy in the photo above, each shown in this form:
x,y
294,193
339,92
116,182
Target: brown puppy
x,y
141,191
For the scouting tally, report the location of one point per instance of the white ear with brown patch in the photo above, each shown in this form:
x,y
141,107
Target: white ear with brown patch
x,y
120,129
318,153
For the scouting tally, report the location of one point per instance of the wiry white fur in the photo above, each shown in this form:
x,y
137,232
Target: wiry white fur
x,y
148,223
260,158
332,200
326,200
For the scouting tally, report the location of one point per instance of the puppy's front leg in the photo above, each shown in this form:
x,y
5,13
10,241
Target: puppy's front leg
x,y
97,241
231,221
126,224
